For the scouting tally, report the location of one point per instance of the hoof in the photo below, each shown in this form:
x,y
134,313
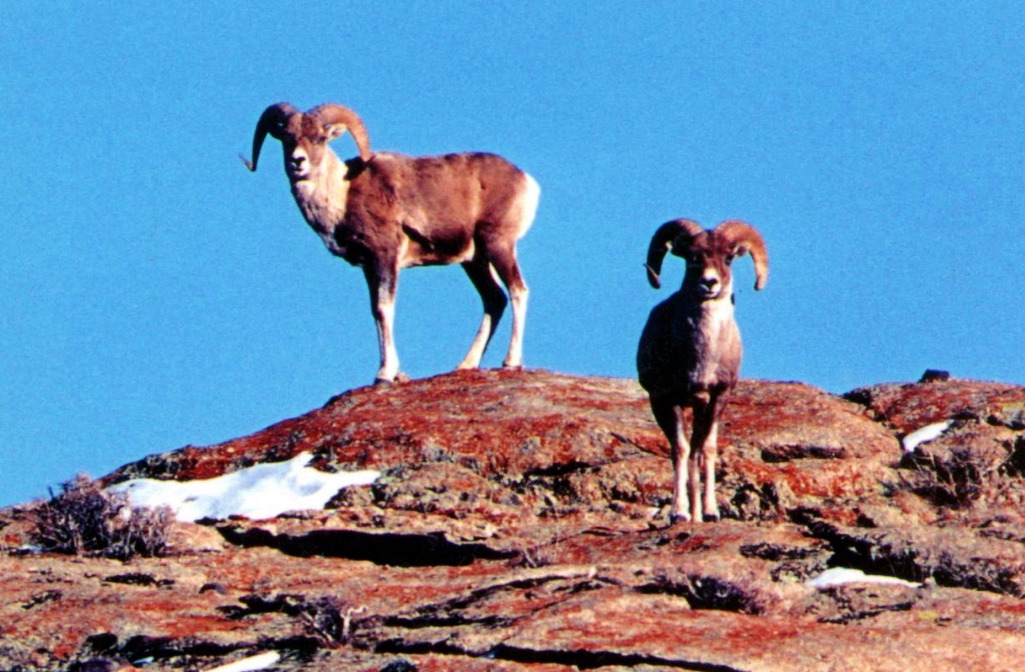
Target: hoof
x,y
711,517
675,518
399,378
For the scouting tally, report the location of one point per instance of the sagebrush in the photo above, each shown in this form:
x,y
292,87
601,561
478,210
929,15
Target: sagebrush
x,y
86,519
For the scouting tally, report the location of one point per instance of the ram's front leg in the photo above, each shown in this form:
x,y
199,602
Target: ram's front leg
x,y
704,453
382,281
709,455
670,419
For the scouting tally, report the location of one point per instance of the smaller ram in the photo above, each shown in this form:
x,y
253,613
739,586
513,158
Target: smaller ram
x,y
690,350
384,212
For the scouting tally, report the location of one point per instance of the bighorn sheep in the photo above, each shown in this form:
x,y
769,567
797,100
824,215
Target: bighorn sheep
x,y
690,350
385,211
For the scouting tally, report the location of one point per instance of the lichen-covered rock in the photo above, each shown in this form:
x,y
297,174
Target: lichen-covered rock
x,y
909,406
520,524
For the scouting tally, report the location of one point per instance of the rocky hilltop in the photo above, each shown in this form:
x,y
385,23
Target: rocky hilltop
x,y
520,523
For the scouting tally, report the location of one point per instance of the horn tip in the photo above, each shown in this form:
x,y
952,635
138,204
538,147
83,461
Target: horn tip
x,y
653,279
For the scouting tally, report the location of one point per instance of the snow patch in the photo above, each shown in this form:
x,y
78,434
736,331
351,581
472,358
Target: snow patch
x,y
258,492
925,434
838,576
250,664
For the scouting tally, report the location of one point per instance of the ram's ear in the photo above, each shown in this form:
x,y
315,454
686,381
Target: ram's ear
x,y
335,131
337,119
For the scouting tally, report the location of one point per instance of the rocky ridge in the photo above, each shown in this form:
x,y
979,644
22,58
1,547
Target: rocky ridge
x,y
520,524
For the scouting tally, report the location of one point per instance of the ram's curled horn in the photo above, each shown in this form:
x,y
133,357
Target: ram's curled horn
x,y
746,239
334,114
272,119
664,240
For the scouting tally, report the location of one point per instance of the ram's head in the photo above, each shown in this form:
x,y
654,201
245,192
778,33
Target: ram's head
x,y
709,254
305,136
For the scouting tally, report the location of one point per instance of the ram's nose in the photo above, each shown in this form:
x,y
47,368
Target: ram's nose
x,y
709,283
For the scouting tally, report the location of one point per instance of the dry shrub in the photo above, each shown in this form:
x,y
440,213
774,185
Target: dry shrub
x,y
955,480
707,592
86,519
973,466
1014,465
330,620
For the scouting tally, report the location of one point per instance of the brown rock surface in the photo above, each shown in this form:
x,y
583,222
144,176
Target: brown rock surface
x,y
520,524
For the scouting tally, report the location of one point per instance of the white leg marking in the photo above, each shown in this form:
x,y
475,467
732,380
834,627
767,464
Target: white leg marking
x,y
480,341
680,456
710,452
385,314
514,358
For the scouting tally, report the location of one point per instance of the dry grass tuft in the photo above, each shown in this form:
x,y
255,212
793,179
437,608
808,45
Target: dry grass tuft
x,y
86,519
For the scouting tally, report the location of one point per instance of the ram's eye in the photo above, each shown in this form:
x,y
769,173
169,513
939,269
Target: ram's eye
x,y
729,259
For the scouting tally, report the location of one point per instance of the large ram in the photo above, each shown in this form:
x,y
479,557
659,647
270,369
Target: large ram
x,y
384,212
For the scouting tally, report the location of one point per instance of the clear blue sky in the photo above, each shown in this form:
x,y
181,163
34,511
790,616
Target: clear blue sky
x,y
154,293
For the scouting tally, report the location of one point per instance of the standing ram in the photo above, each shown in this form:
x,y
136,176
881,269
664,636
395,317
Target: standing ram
x,y
384,212
690,350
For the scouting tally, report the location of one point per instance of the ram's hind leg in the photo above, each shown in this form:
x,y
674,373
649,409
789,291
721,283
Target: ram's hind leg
x,y
505,264
494,300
